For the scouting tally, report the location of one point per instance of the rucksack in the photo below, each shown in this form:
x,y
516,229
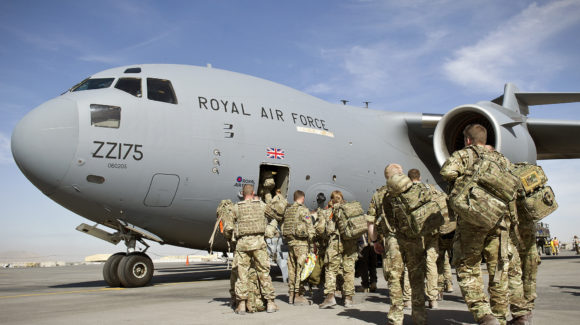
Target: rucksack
x,y
275,209
449,220
536,200
422,212
485,191
351,220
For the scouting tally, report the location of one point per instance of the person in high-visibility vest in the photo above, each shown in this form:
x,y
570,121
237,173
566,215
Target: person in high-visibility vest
x,y
556,246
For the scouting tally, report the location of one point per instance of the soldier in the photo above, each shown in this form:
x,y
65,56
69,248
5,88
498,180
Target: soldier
x,y
250,226
299,231
431,242
469,242
268,185
411,243
339,253
394,269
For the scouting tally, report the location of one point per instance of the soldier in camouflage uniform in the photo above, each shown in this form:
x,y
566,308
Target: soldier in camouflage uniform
x,y
250,225
431,242
412,248
394,268
299,232
469,242
339,254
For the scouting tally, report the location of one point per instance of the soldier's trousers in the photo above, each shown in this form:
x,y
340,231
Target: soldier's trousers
x,y
368,266
296,259
340,253
261,262
398,280
468,246
414,254
233,277
524,278
445,278
431,274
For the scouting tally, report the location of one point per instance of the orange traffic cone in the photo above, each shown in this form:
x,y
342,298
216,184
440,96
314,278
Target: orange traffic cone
x,y
187,260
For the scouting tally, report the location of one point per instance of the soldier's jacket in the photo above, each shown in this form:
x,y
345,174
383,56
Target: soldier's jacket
x,y
376,213
376,205
301,217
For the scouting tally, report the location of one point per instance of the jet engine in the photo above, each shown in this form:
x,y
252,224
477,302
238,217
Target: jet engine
x,y
506,131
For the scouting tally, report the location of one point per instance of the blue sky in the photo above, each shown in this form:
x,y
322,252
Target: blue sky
x,y
420,56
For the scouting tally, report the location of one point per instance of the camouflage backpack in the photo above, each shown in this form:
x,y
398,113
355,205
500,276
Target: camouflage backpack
x,y
535,200
225,217
351,220
482,196
422,213
449,220
275,209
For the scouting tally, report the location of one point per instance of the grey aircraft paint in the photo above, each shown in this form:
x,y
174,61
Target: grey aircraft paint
x,y
164,166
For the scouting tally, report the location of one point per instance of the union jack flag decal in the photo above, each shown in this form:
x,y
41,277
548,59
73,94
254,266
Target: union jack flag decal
x,y
275,153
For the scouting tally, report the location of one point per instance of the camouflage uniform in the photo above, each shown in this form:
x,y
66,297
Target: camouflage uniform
x,y
524,278
431,243
469,245
340,256
414,254
445,278
394,269
251,249
298,247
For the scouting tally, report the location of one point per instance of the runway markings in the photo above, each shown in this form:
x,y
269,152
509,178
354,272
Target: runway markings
x,y
61,293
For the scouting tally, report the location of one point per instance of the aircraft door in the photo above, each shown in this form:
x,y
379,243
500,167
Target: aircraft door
x,y
273,178
162,190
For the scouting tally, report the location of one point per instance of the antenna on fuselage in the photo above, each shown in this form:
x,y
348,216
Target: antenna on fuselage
x,y
344,101
367,104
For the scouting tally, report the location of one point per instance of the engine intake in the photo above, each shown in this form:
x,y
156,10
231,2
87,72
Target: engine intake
x,y
506,131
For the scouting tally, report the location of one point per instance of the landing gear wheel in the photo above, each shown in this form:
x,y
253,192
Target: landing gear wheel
x,y
135,270
110,270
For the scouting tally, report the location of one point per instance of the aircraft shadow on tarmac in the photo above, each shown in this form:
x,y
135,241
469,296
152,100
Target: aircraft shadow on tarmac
x,y
559,257
573,293
195,272
433,316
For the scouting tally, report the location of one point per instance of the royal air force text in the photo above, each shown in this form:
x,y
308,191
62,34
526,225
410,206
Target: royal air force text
x,y
226,106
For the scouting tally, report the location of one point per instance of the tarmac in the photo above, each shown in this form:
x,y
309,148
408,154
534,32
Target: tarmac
x,y
198,294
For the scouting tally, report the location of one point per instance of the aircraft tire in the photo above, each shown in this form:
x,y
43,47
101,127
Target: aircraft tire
x,y
110,270
135,270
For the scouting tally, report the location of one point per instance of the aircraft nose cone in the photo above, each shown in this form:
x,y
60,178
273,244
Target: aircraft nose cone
x,y
44,143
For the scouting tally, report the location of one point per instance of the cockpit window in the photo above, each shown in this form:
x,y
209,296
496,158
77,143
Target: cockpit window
x,y
130,85
95,83
105,116
160,90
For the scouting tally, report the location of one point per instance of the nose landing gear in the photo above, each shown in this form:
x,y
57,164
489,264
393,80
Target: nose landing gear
x,y
130,269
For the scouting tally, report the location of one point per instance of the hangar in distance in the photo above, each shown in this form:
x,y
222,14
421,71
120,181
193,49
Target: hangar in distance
x,y
146,152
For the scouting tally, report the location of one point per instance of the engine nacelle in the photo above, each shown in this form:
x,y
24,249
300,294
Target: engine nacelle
x,y
506,131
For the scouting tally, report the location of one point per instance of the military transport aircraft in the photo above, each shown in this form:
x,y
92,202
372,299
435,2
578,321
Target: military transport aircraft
x,y
149,150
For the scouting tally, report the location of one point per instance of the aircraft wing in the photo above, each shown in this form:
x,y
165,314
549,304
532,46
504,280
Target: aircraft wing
x,y
555,139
